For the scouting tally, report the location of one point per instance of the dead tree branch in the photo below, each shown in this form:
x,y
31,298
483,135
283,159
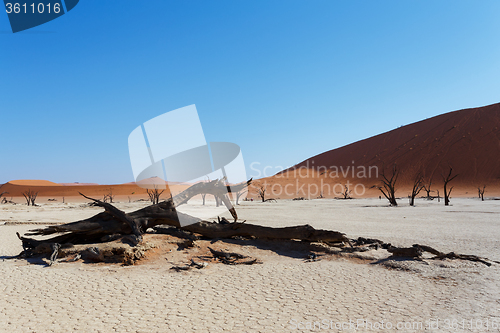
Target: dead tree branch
x,y
239,194
30,197
388,187
261,191
109,196
417,187
446,179
480,192
154,195
346,194
427,189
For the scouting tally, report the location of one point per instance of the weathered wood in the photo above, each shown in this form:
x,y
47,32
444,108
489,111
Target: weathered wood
x,y
303,232
55,252
113,222
121,216
116,225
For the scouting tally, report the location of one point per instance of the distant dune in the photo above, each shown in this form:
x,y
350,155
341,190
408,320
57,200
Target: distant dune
x,y
467,140
48,190
31,182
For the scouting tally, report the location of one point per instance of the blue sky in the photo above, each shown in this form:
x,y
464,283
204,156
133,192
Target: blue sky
x,y
285,80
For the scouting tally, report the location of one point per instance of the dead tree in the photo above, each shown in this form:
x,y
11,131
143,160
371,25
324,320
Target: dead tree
x,y
239,194
30,197
480,192
417,187
218,201
446,180
388,187
427,189
113,223
154,195
109,196
4,199
261,191
203,197
346,194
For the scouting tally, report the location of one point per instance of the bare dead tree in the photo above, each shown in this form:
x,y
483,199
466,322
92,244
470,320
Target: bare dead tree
x,y
261,191
427,189
239,194
417,187
388,187
4,199
108,197
154,195
446,180
203,197
480,192
30,197
346,194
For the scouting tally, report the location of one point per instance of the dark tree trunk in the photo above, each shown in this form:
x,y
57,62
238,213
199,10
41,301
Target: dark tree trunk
x,y
446,180
101,227
388,187
417,187
481,192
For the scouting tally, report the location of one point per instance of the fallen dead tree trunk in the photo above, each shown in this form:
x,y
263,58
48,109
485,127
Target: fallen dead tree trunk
x,y
113,224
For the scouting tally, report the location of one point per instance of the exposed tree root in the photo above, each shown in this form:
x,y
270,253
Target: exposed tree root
x,y
416,251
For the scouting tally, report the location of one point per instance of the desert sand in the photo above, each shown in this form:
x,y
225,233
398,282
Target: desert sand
x,y
284,293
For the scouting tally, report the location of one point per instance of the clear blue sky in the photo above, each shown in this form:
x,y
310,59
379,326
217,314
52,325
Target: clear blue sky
x,y
285,79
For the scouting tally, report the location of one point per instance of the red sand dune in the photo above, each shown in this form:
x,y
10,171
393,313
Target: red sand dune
x,y
467,140
121,192
32,182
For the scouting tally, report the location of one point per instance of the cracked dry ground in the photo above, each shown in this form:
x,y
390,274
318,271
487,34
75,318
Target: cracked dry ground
x,y
281,295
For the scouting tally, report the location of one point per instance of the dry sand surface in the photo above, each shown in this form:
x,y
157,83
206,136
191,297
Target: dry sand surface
x,y
284,293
